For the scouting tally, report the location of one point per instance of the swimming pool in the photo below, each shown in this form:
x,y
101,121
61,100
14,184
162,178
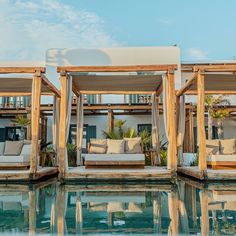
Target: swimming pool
x,y
186,208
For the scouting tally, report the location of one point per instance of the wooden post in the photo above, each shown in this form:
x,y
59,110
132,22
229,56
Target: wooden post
x,y
62,129
29,137
172,158
173,212
35,116
177,127
99,98
201,124
204,213
32,213
110,120
190,131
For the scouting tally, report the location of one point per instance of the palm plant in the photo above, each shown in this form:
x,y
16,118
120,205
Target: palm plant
x,y
23,122
211,103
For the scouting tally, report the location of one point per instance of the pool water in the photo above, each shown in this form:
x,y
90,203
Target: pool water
x,y
121,209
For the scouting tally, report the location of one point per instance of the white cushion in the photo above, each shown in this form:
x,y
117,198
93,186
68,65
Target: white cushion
x,y
115,146
14,159
114,157
133,145
26,151
98,146
13,148
227,146
212,147
222,158
2,146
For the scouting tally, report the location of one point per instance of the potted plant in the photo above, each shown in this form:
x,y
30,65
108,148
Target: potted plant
x,y
23,122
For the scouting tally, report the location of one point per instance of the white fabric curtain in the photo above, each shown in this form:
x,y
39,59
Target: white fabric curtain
x,y
55,123
165,109
155,130
181,129
68,116
79,128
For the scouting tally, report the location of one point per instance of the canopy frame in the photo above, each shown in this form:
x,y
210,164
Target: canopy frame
x,y
198,79
38,80
67,71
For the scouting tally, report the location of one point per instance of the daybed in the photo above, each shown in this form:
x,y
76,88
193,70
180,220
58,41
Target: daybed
x,y
127,153
15,154
221,154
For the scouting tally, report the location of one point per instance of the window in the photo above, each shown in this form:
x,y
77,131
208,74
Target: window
x,y
142,127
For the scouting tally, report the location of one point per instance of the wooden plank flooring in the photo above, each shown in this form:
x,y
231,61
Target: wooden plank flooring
x,y
147,174
24,175
212,175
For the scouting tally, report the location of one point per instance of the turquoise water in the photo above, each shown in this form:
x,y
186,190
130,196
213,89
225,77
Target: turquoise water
x,y
185,208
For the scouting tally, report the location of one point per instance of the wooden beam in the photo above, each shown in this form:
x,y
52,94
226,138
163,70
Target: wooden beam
x,y
75,89
99,98
62,129
224,92
35,116
159,90
115,92
30,70
50,86
201,124
117,68
191,131
15,94
110,120
186,86
172,158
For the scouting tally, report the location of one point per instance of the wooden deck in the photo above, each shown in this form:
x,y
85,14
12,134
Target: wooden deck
x,y
25,176
212,175
149,173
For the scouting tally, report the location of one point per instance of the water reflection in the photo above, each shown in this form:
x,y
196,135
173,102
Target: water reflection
x,y
185,208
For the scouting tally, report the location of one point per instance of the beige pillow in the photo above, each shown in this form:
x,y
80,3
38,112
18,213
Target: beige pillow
x,y
133,145
115,146
227,146
13,148
2,145
98,146
212,147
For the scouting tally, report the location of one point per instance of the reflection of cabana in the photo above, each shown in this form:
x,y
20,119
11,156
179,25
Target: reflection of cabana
x,y
207,79
116,80
28,81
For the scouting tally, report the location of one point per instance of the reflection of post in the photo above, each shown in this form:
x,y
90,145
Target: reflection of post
x,y
60,211
194,207
79,215
32,213
110,219
204,213
173,212
157,214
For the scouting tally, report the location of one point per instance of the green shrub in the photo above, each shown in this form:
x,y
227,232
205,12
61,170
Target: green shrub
x,y
71,152
163,157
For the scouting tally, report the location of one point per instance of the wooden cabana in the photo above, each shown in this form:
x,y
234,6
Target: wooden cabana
x,y
28,81
115,80
207,79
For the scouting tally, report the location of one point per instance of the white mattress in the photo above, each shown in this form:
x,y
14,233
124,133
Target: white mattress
x,y
222,158
114,157
14,159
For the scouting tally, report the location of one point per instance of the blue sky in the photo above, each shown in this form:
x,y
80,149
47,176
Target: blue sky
x,y
203,29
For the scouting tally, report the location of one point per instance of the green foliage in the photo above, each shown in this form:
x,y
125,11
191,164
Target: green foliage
x,y
71,152
220,114
119,132
163,157
146,138
22,121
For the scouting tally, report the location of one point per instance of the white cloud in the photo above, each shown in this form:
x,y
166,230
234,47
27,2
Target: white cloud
x,y
166,21
196,54
29,28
